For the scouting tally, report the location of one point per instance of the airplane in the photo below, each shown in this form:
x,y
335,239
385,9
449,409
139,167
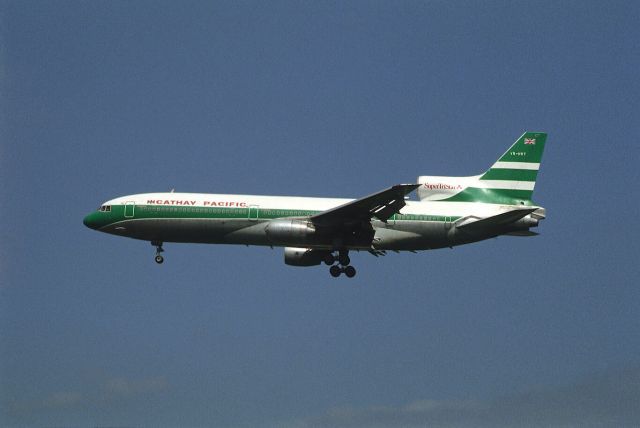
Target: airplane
x,y
450,211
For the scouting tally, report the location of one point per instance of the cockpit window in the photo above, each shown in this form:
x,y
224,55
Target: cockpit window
x,y
105,208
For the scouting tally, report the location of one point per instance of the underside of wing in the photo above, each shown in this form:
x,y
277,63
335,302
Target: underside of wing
x,y
381,205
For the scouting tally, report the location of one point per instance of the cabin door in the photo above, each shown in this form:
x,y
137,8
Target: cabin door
x,y
253,212
129,209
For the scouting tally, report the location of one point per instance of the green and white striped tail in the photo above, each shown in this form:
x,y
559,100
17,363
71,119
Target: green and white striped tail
x,y
509,181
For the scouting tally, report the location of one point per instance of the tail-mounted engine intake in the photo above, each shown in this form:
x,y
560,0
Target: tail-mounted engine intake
x,y
290,231
525,223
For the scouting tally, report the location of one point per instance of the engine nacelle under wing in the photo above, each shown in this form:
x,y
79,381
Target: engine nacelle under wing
x,y
290,231
294,256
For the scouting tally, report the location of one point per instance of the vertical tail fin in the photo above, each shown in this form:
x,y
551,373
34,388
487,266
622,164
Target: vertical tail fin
x,y
514,174
510,180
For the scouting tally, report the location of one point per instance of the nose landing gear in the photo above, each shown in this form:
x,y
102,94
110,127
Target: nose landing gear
x,y
159,259
342,266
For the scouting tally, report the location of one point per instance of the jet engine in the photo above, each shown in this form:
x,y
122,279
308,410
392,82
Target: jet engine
x,y
290,231
304,256
525,223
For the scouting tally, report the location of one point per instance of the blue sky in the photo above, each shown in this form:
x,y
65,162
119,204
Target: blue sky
x,y
101,99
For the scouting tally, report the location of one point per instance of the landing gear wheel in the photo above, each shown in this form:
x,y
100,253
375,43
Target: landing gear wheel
x,y
329,259
335,271
344,259
350,271
159,249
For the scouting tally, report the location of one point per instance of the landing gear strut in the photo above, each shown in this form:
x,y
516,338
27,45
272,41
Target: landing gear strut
x,y
159,259
342,266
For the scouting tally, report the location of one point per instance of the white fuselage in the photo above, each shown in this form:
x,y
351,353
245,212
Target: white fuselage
x,y
246,219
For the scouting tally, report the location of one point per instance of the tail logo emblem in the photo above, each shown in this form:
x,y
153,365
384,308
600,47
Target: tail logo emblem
x,y
531,141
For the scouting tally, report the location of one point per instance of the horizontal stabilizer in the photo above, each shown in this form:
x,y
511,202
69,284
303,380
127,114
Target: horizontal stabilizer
x,y
471,224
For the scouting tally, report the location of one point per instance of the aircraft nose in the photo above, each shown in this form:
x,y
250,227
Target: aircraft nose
x,y
90,221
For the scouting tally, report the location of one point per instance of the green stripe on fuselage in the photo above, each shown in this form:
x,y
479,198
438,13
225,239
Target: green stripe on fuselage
x,y
100,219
159,211
424,217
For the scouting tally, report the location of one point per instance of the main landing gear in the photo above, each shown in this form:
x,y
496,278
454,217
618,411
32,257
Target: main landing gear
x,y
342,265
159,259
